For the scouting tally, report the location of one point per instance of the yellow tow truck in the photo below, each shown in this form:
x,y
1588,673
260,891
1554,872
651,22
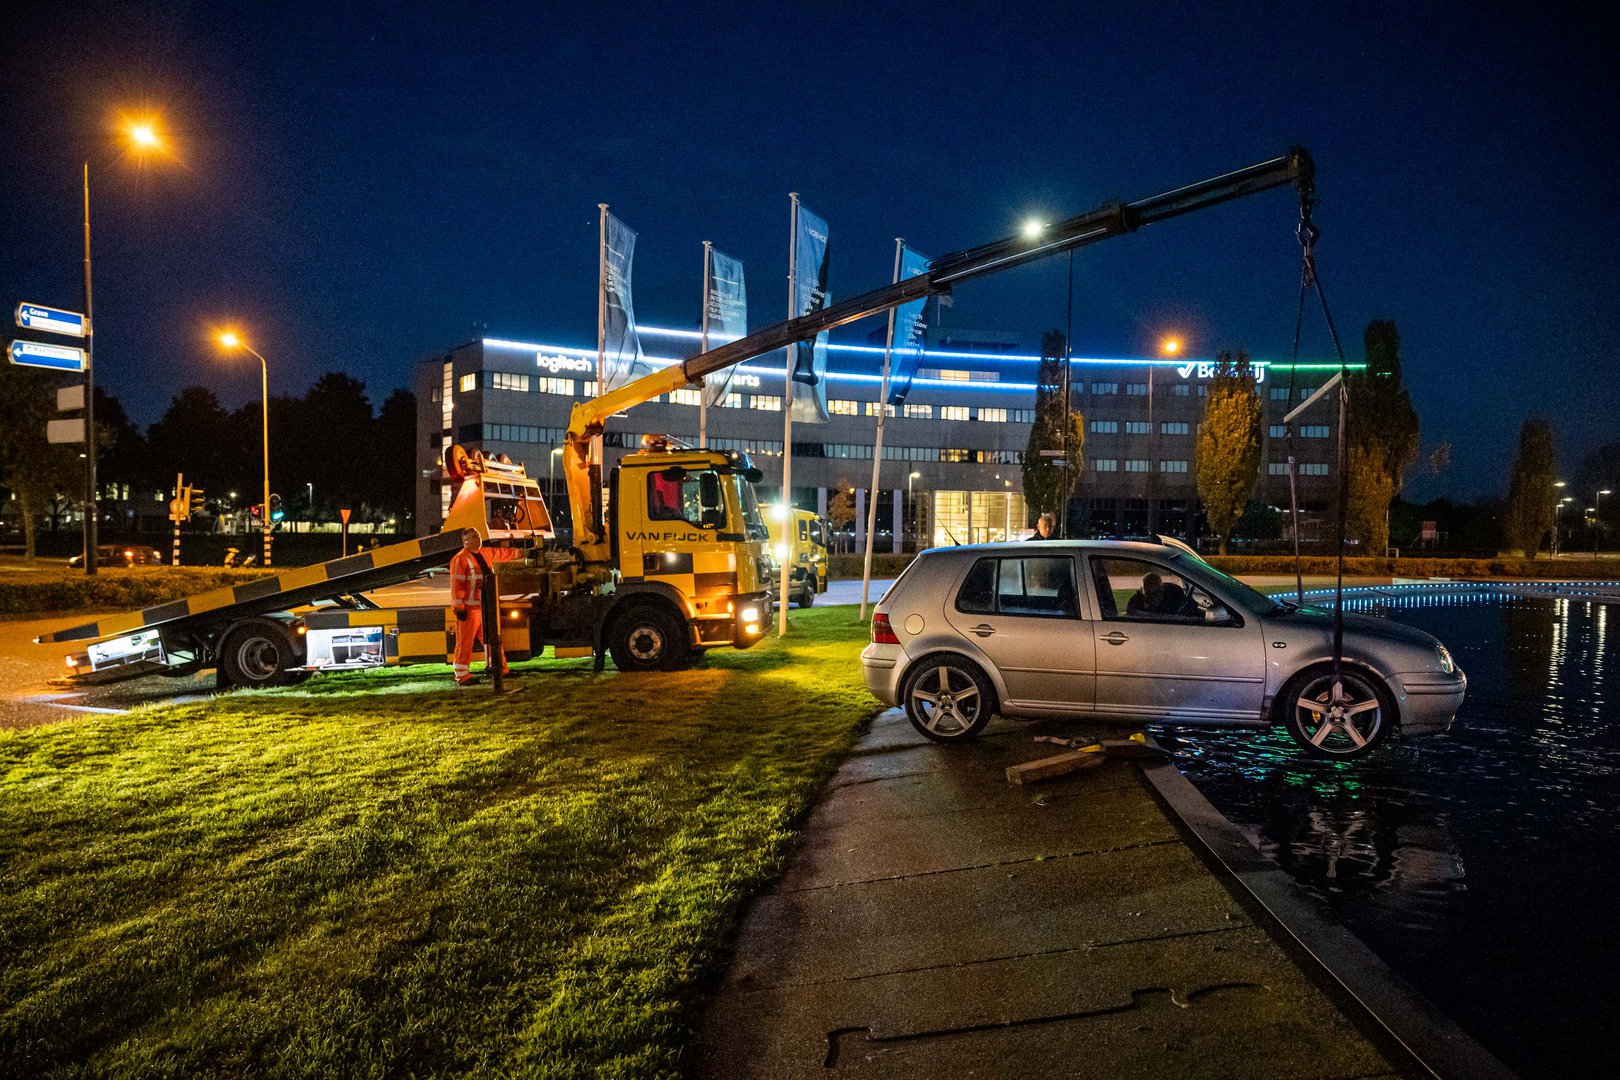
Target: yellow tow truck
x,y
803,549
671,561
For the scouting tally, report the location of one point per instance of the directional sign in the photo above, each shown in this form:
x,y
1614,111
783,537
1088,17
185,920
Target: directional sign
x,y
65,431
34,317
38,354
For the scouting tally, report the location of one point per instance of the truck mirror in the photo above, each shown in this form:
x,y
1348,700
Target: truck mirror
x,y
752,474
674,474
709,492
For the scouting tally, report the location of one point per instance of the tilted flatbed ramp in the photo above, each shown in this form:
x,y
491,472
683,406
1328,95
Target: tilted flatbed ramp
x,y
368,570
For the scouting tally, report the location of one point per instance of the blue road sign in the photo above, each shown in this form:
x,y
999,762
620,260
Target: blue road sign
x,y
35,317
38,354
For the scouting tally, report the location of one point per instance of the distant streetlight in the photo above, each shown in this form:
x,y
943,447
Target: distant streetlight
x,y
142,136
232,341
1597,522
1032,229
911,507
1171,346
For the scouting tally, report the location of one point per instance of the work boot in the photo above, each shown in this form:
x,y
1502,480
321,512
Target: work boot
x,y
464,680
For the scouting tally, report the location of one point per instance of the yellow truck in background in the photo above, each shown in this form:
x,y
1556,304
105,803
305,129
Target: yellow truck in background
x,y
804,549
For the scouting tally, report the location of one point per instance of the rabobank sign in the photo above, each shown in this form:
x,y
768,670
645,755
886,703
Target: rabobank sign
x,y
558,364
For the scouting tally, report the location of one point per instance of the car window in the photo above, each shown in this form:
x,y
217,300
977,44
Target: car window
x,y
1136,590
1036,585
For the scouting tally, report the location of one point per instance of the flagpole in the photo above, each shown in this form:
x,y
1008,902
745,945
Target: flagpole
x,y
703,388
601,339
787,411
877,445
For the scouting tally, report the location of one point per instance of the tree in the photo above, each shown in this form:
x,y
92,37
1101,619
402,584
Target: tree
x,y
1383,436
394,477
35,471
196,436
334,445
1531,491
1047,485
1229,444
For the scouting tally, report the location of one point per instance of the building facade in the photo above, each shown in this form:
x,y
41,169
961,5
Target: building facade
x,y
952,454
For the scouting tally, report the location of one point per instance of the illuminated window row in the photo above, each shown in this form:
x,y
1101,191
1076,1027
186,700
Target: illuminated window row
x,y
1306,468
1307,431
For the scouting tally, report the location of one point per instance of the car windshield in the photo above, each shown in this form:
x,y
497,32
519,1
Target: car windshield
x,y
1244,596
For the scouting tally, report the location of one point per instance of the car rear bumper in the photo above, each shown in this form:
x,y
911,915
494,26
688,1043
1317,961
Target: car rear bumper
x,y
881,665
1429,700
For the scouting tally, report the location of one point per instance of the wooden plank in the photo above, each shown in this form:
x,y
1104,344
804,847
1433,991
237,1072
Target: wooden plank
x,y
1057,765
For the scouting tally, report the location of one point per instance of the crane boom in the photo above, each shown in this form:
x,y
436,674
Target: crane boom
x,y
1104,222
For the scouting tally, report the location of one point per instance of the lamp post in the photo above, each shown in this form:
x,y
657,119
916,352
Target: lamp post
x,y
551,479
142,136
232,340
911,509
310,485
1597,519
1558,510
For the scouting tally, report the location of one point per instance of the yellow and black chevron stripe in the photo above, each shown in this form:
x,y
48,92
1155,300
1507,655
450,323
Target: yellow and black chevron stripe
x,y
423,635
291,588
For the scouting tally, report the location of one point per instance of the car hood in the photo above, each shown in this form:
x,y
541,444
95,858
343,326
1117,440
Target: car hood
x,y
1386,629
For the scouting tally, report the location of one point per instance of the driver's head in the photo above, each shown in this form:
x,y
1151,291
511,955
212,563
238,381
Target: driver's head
x,y
1153,586
1045,525
470,540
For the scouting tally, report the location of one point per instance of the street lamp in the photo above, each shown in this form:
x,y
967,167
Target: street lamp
x,y
310,485
1597,521
911,509
551,475
142,135
231,340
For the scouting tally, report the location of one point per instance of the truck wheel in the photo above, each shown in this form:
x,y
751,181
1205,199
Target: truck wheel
x,y
257,653
807,595
648,638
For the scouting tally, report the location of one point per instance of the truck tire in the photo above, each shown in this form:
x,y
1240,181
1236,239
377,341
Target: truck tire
x,y
807,593
257,653
648,637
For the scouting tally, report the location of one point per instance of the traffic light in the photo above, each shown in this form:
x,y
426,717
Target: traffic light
x,y
256,511
276,512
194,500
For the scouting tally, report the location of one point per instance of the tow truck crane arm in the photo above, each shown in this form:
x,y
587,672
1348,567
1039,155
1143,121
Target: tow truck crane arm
x,y
1108,220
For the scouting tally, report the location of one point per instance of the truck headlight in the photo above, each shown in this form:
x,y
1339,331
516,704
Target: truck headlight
x,y
750,614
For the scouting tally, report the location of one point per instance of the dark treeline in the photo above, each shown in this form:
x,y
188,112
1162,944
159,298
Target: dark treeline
x,y
330,442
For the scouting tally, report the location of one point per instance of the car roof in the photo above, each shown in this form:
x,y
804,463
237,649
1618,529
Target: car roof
x,y
1131,547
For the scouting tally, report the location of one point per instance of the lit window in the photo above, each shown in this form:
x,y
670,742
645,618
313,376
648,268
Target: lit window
x,y
955,376
956,455
1136,465
507,380
1313,469
1173,427
549,385
469,383
765,402
1106,464
842,407
687,395
1023,416
1137,427
1172,466
920,412
953,412
1277,431
1277,468
732,401
1314,431
1105,427
872,409
993,416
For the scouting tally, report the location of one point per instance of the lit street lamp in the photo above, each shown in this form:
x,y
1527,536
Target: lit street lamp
x,y
1597,521
231,340
142,136
551,477
911,509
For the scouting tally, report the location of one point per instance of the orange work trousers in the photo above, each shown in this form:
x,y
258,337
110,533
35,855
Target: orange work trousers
x,y
468,631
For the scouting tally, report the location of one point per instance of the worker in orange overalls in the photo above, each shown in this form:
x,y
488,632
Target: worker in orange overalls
x,y
467,572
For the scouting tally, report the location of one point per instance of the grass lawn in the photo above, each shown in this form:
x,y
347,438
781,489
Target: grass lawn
x,y
380,874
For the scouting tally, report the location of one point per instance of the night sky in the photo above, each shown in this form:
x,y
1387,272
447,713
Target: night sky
x,y
360,187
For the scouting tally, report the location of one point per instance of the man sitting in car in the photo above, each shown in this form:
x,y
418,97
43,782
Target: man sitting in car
x,y
1156,598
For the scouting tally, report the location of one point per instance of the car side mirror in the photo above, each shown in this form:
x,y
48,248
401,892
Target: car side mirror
x,y
1217,613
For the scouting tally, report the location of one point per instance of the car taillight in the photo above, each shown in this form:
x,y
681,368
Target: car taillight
x,y
882,632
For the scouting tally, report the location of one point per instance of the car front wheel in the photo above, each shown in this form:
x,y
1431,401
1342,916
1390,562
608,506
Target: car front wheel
x,y
948,699
1344,720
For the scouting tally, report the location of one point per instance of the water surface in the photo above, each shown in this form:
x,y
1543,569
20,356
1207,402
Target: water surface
x,y
1483,864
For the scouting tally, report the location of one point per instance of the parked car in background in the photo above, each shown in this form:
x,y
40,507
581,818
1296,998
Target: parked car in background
x,y
122,555
1141,632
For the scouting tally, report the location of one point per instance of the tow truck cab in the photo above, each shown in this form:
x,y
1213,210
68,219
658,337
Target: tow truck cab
x,y
688,540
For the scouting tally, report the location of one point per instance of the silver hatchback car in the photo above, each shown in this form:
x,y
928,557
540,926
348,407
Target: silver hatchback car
x,y
1146,633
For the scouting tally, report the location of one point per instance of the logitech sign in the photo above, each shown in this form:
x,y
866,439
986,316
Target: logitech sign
x,y
557,364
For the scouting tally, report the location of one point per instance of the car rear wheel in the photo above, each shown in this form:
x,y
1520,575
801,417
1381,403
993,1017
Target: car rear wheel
x,y
948,699
1344,720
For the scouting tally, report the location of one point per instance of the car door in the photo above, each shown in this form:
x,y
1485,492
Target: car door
x,y
1022,612
1167,649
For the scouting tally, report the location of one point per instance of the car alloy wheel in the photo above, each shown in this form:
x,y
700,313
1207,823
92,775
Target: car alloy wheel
x,y
1338,720
948,700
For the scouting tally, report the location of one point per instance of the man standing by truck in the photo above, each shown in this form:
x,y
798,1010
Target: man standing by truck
x,y
467,570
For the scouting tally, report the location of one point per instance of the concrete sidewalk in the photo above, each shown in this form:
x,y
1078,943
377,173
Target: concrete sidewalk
x,y
937,921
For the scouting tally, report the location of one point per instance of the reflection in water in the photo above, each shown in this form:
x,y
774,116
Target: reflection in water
x,y
1480,864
